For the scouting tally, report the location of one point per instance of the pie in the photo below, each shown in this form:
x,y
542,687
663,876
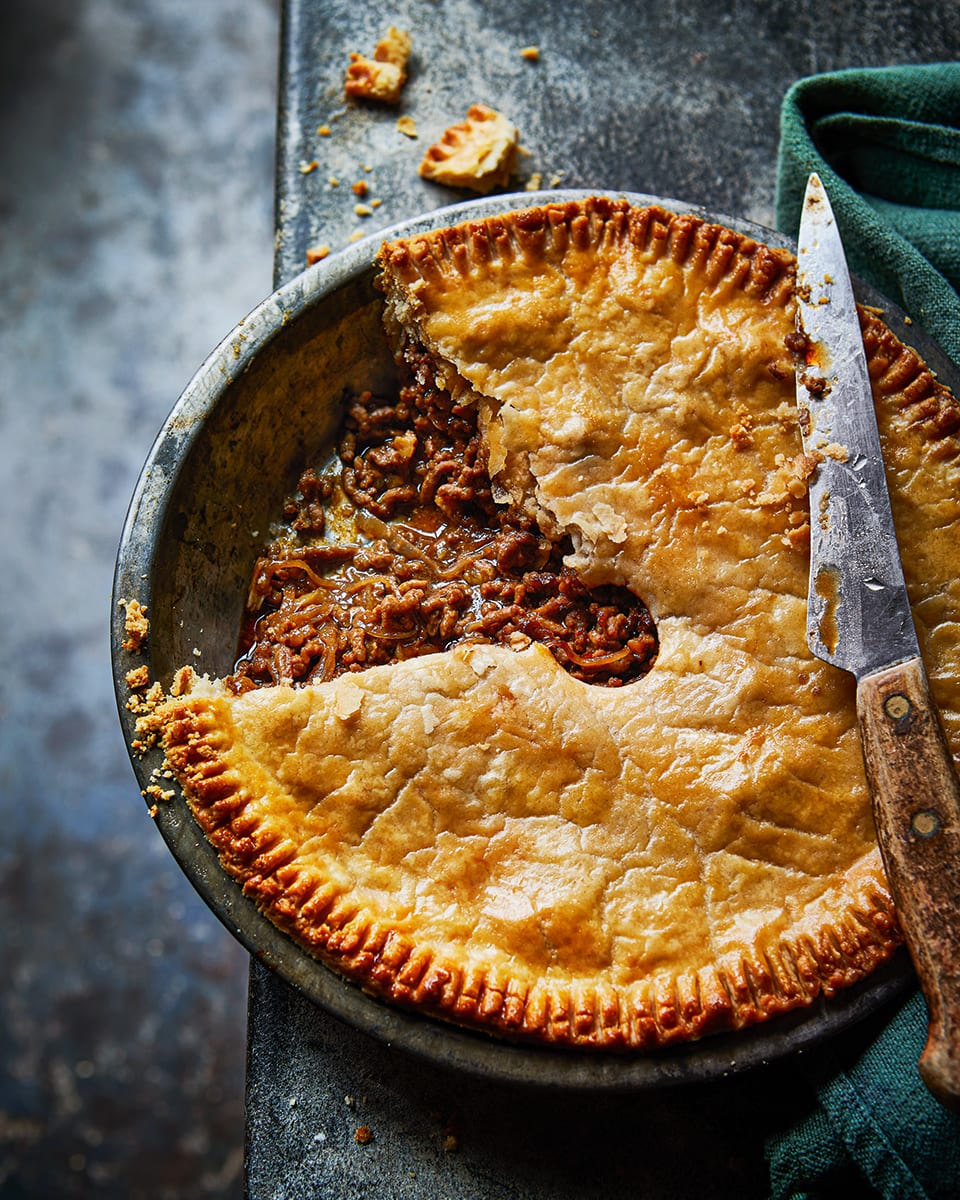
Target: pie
x,y
472,828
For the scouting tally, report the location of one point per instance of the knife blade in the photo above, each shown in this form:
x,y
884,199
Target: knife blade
x,y
859,619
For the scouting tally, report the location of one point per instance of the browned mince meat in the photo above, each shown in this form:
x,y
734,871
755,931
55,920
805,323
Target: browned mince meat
x,y
444,564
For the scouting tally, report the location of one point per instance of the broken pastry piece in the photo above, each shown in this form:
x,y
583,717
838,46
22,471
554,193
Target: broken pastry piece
x,y
479,153
381,77
478,835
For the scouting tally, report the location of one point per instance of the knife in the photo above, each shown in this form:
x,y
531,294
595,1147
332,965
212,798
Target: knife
x,y
859,619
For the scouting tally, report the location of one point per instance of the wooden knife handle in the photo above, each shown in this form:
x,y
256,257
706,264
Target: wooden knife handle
x,y
916,801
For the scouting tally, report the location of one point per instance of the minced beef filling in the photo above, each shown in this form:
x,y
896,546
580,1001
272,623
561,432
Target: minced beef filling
x,y
434,561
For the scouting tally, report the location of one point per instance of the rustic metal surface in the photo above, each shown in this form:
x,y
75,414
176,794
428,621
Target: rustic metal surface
x,y
136,188
676,99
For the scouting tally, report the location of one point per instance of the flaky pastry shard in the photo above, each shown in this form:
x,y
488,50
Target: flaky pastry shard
x,y
479,153
482,837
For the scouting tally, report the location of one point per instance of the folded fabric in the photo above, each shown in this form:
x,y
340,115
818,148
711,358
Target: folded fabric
x,y
873,1128
886,144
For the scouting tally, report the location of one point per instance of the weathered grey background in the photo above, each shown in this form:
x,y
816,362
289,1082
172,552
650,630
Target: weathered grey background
x,y
136,196
136,188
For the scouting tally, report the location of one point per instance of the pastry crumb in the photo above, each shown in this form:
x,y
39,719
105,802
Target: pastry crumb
x,y
530,53
407,126
182,681
479,153
380,78
363,210
138,677
135,625
363,1136
158,793
324,130
360,188
307,168
317,254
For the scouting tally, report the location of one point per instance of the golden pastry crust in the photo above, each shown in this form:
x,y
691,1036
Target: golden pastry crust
x,y
479,153
480,836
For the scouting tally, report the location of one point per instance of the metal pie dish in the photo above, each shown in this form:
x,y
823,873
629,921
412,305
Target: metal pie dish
x,y
266,404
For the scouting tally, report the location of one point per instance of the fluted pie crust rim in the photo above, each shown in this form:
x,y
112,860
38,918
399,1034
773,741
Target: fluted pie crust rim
x,y
247,772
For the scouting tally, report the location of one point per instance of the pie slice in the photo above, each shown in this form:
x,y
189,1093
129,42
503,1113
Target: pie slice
x,y
480,834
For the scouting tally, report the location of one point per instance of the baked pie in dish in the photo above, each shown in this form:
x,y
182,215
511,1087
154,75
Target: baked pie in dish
x,y
525,733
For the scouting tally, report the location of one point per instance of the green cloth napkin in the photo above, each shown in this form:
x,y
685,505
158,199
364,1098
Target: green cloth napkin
x,y
886,144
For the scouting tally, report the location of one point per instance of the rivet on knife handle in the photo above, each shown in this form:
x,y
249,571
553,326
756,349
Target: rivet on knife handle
x,y
909,767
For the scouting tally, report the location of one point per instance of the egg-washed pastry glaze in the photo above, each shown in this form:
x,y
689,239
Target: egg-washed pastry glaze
x,y
478,835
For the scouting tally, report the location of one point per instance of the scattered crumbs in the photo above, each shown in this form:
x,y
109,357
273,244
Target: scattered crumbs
x,y
137,678
306,168
376,203
355,236
323,130
135,625
530,53
155,792
363,1135
363,210
360,188
196,652
316,254
534,183
367,166
333,181
349,1101
153,812
907,320
556,180
407,126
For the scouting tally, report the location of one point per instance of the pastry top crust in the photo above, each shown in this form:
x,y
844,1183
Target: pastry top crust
x,y
482,836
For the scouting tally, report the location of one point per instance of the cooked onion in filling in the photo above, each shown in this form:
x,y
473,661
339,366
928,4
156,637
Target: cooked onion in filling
x,y
429,560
